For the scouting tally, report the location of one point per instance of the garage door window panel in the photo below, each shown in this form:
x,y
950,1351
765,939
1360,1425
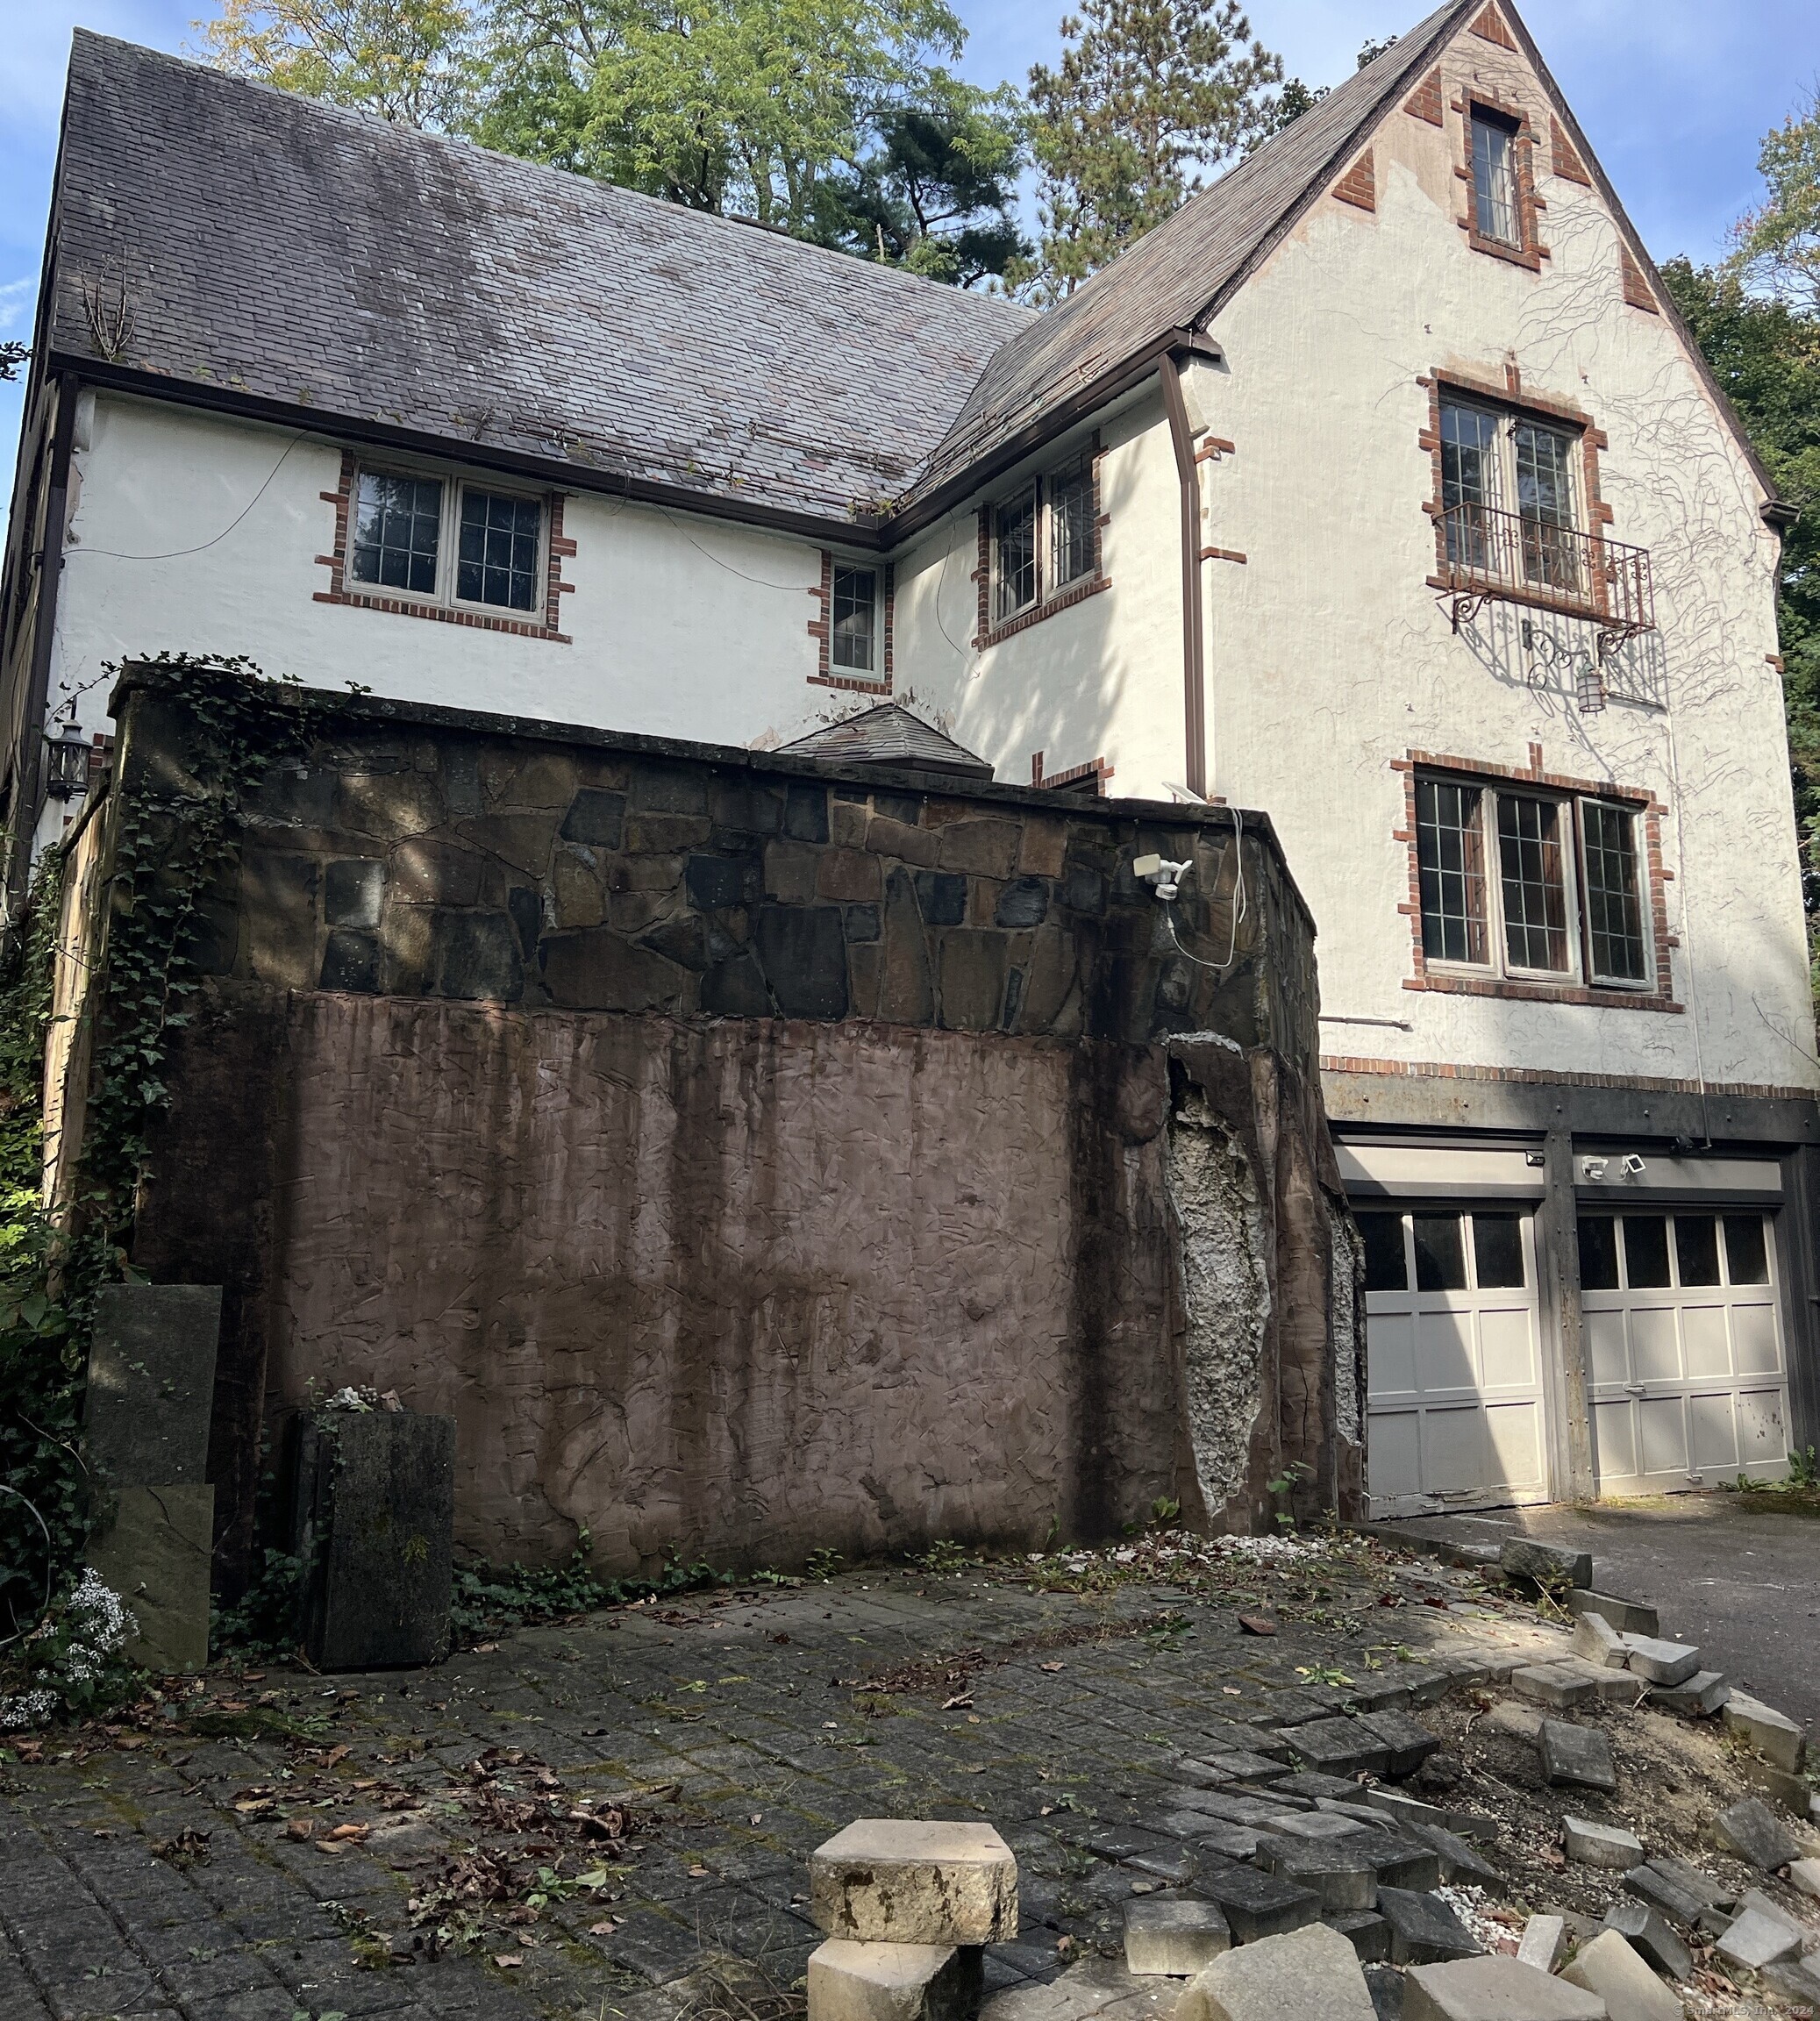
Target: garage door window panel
x,y
1646,1252
1746,1253
1697,1248
1440,1252
1386,1266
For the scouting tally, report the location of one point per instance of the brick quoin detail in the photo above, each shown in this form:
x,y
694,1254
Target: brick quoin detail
x,y
1636,289
822,628
1490,27
1095,768
1447,982
1565,156
1542,1078
1530,205
986,632
1425,102
476,620
1514,395
1359,186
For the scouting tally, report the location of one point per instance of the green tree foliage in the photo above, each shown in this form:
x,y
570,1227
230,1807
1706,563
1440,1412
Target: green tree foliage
x,y
1778,245
407,60
1150,96
1765,354
937,192
1295,98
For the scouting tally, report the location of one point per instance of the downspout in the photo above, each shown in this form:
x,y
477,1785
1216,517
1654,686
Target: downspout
x,y
1193,687
28,802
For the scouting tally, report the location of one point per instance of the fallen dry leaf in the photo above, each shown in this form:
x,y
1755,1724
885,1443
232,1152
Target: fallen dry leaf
x,y
1257,1623
958,1702
300,1828
698,1873
509,1961
350,1834
1049,1667
600,1929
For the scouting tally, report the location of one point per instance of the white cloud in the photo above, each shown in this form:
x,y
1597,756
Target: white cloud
x,y
16,300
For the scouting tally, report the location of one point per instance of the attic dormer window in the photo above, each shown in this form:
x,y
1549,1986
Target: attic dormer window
x,y
1494,189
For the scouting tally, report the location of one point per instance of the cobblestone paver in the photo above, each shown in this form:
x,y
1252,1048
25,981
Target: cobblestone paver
x,y
742,1727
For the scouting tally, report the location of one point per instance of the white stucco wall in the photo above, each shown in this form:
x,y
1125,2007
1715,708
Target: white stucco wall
x,y
1092,680
189,532
1330,657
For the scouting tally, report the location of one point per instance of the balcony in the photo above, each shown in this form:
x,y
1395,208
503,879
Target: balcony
x,y
1484,553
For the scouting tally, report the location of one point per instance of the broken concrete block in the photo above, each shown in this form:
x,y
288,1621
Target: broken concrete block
x,y
1790,1792
1227,1841
1495,1989
1457,1860
1696,1697
1682,1893
1581,1755
1407,1742
157,1552
1610,1687
1660,1662
850,1982
1646,1932
1755,1898
375,1519
1342,1878
1310,1785
1628,1617
1322,1826
1423,1930
1409,1811
1543,1942
1338,1747
1756,1939
1367,1932
903,1881
1632,1992
1752,1829
1805,1874
1173,1936
151,1391
1553,1685
1774,1734
1402,1860
1549,1564
1795,1979
1308,1971
1258,1905
1383,1694
1596,1844
1598,1642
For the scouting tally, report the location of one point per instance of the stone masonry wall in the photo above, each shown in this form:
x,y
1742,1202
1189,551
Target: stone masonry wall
x,y
750,1154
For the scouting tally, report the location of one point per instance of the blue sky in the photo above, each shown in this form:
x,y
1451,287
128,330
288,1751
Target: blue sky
x,y
1674,94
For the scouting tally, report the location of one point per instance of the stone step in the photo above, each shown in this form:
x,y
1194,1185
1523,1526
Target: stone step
x,y
1628,1617
1660,1662
1696,1697
1173,1936
851,1981
1631,1990
1774,1735
1495,1989
1312,1971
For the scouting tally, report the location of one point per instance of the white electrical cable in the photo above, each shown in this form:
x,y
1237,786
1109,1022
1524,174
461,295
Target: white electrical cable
x,y
1240,905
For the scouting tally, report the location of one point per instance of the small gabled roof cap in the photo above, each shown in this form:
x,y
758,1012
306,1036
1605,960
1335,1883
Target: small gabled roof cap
x,y
889,735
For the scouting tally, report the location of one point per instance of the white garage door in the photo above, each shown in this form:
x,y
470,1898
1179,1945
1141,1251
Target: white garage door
x,y
1684,1349
1453,1353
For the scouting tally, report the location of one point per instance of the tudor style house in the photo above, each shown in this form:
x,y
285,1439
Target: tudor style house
x,y
1380,489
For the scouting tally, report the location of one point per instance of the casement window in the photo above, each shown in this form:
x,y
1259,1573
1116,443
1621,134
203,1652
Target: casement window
x,y
1528,885
1045,540
1496,196
1509,506
854,634
446,541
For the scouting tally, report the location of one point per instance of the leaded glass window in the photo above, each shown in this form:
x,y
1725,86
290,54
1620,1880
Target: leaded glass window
x,y
498,550
1614,898
398,524
1495,180
1532,883
1451,859
1014,553
1071,531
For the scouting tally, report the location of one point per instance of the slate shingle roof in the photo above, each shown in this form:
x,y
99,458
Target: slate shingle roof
x,y
889,735
1178,275
292,250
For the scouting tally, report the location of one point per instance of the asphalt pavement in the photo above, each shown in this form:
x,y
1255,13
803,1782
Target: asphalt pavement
x,y
1737,1573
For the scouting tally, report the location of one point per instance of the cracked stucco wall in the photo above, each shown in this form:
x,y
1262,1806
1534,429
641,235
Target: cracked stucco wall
x,y
1224,1234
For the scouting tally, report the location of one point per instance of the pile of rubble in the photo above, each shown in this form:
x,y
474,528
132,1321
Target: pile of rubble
x,y
1289,1876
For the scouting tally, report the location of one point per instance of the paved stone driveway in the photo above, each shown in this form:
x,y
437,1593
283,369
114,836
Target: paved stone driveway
x,y
742,1728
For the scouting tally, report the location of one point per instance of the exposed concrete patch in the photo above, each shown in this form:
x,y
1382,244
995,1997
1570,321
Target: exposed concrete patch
x,y
1224,1235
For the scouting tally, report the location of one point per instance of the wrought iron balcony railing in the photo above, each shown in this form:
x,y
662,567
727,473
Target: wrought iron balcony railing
x,y
1485,553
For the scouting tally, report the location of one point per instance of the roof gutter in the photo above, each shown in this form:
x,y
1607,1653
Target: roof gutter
x,y
560,473
28,799
1194,684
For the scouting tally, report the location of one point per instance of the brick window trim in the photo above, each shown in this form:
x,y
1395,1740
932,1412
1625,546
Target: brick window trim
x,y
1514,397
1359,186
986,632
1425,103
1634,283
1095,768
1564,156
1530,203
1548,1077
476,619
821,629
1449,981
